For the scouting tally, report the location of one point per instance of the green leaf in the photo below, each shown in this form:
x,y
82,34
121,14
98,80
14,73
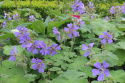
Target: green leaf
x,y
7,49
55,69
1,3
71,76
10,73
47,21
24,24
120,45
121,27
121,56
8,35
38,26
118,75
56,24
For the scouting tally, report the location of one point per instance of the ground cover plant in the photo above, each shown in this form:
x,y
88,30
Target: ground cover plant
x,y
78,46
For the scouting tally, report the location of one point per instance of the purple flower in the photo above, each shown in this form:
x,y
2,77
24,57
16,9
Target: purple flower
x,y
4,24
25,41
91,5
16,17
52,19
56,32
78,6
106,37
123,8
106,18
101,70
32,18
38,65
33,47
88,48
80,22
5,14
72,30
53,49
115,9
22,32
9,18
13,54
43,48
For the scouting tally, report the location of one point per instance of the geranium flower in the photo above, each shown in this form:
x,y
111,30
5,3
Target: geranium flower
x,y
106,37
38,65
56,32
32,18
72,30
53,49
101,70
13,54
88,48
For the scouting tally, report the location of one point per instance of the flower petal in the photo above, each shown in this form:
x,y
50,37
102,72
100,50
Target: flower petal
x,y
98,65
95,72
87,53
103,41
105,33
11,58
41,69
101,77
34,66
105,65
34,60
106,72
85,47
110,41
69,25
54,52
91,45
101,36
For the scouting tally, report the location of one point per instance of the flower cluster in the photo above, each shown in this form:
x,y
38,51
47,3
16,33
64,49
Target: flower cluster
x,y
123,8
32,18
5,14
78,6
56,32
4,24
91,5
115,9
16,16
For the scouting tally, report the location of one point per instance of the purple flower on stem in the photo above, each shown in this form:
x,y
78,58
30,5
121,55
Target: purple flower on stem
x,y
13,54
80,22
52,19
115,9
91,5
72,30
78,6
38,65
88,48
9,18
16,16
106,18
5,14
53,49
106,37
101,70
22,32
32,18
56,32
4,24
43,48
33,47
123,8
25,41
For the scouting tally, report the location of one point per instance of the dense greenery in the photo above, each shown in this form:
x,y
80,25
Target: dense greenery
x,y
62,45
